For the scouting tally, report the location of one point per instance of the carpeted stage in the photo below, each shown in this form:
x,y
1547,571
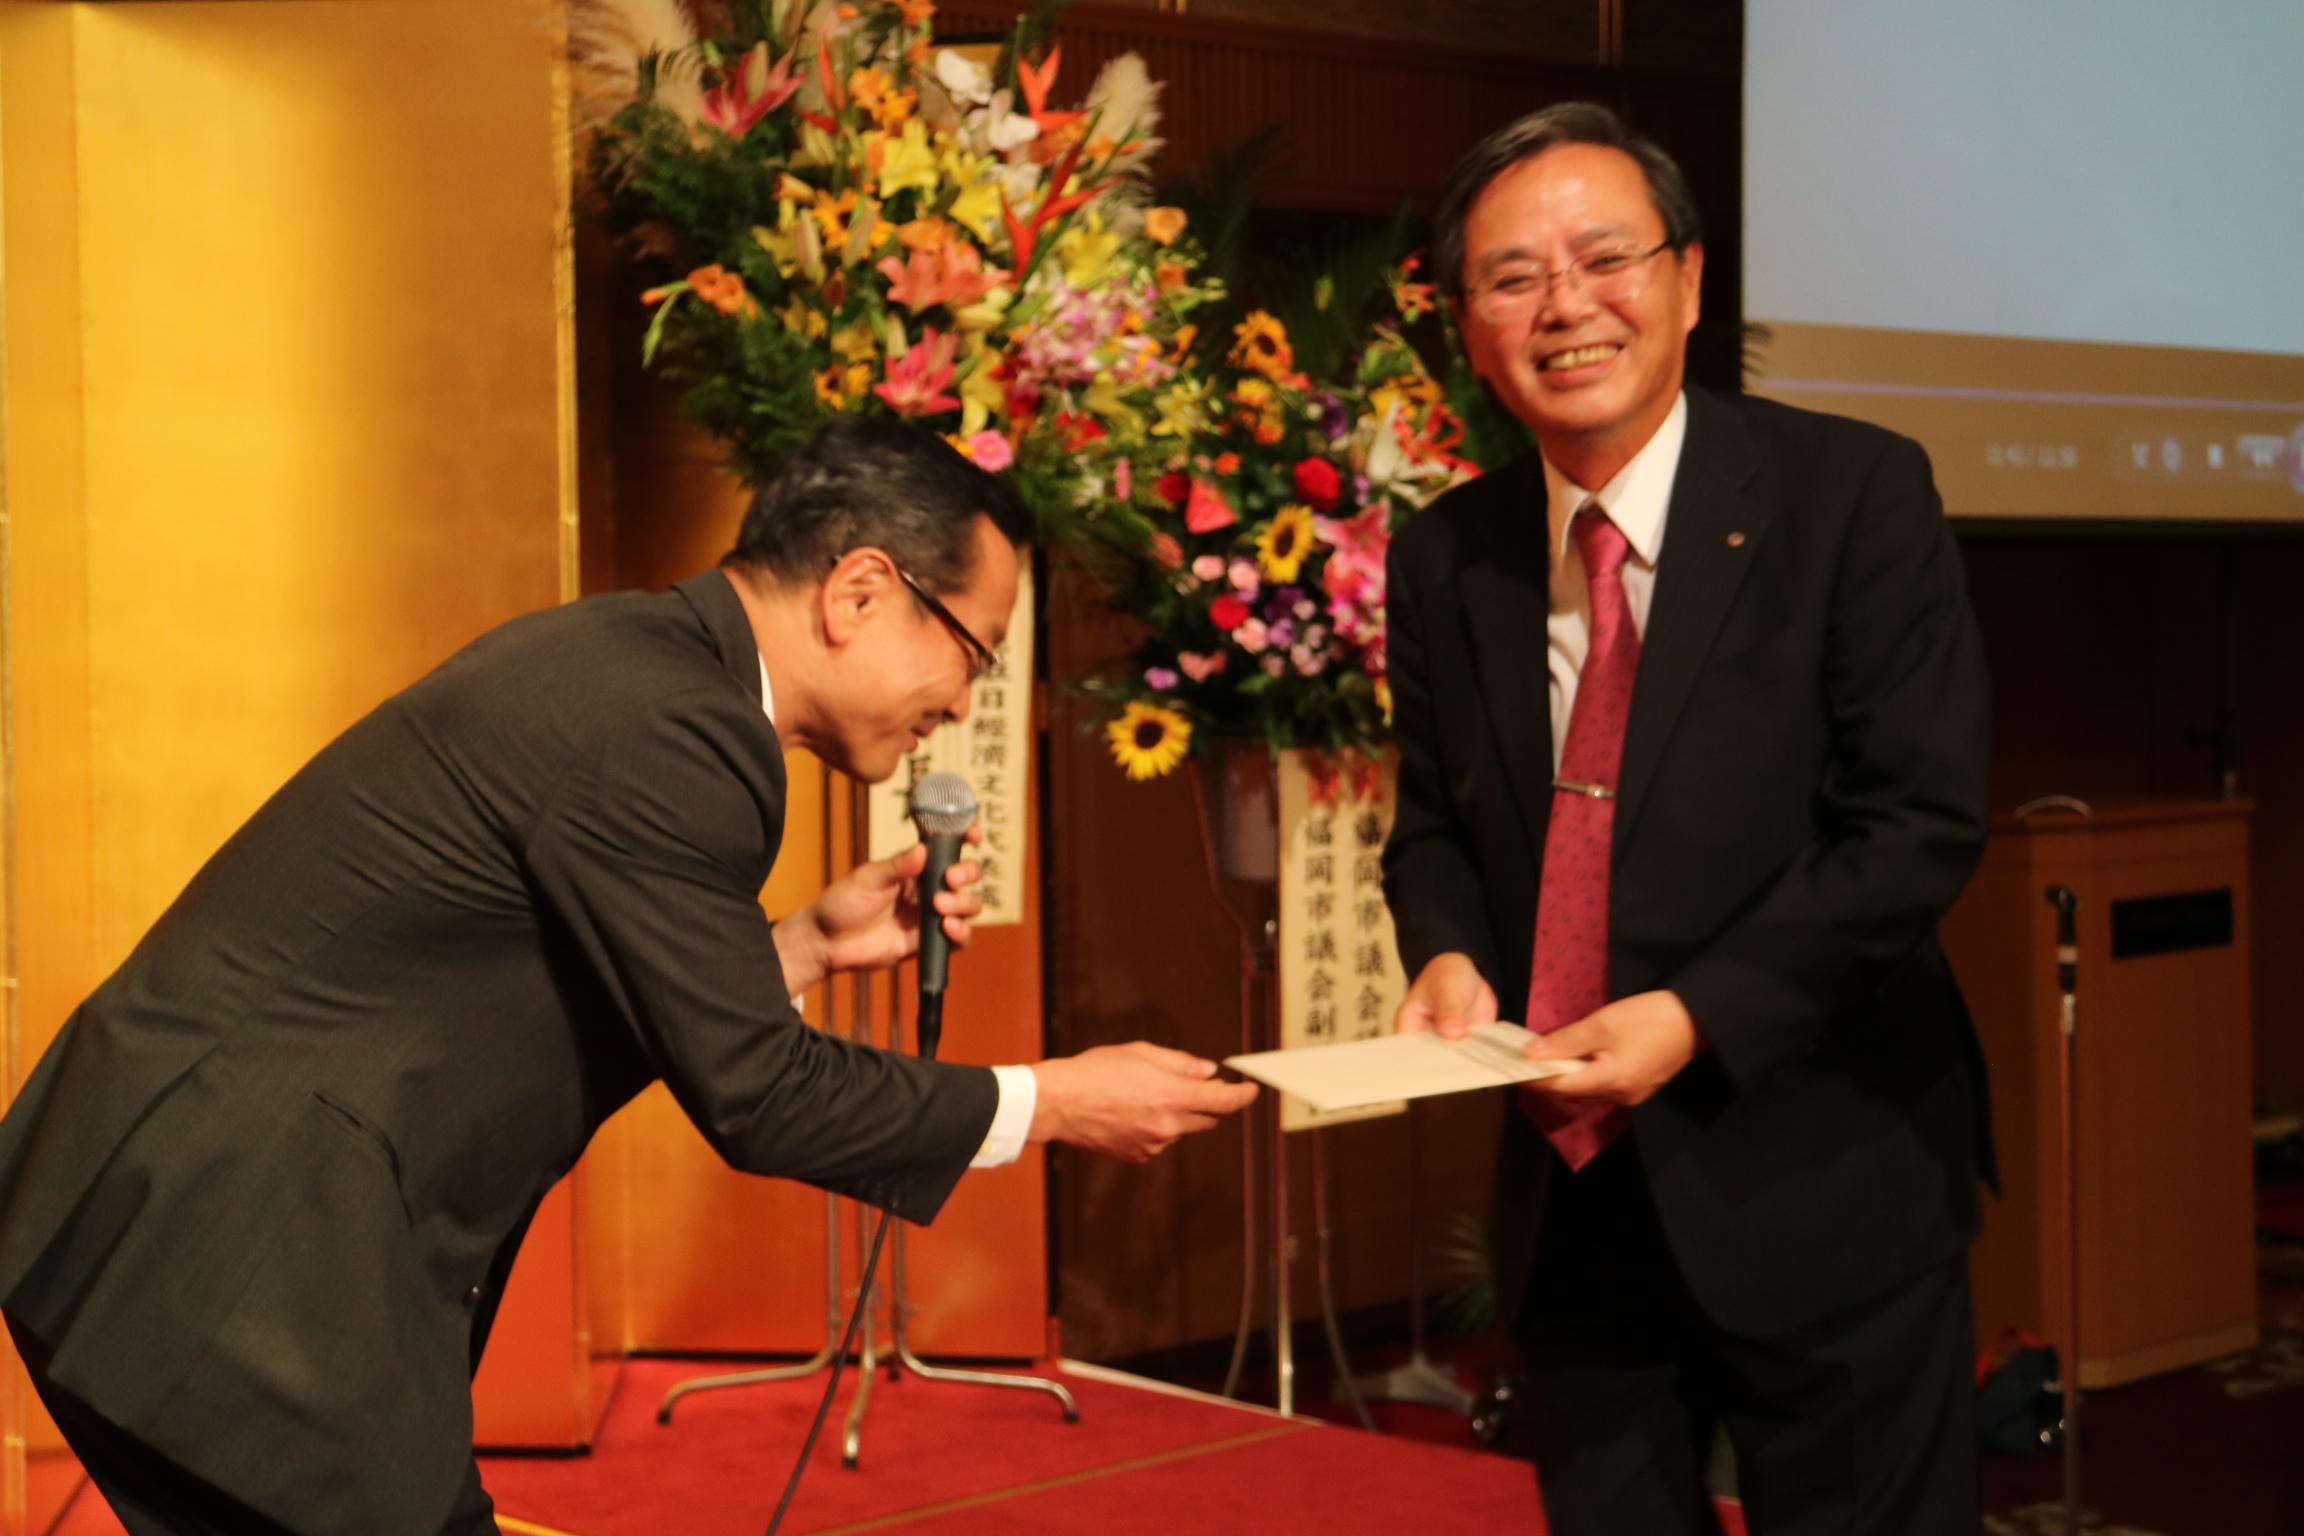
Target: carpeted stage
x,y
2211,1451
944,1460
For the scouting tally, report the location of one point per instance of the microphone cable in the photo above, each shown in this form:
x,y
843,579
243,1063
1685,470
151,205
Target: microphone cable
x,y
930,1028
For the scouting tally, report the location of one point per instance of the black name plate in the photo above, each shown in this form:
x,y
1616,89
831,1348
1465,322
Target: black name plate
x,y
2164,925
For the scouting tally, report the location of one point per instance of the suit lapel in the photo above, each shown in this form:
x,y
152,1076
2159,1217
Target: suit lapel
x,y
1507,596
1698,573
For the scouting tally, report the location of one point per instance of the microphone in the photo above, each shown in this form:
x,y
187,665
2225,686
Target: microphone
x,y
2064,899
943,808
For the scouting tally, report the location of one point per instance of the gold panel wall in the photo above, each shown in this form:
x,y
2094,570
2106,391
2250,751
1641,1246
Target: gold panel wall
x,y
287,420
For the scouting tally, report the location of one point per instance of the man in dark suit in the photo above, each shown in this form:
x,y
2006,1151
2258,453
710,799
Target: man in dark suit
x,y
258,1200
1692,759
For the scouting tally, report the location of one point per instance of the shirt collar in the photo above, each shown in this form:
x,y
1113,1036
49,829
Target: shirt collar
x,y
767,694
1636,499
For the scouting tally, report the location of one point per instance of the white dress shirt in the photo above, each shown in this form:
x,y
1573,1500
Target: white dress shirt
x,y
1635,501
1019,1089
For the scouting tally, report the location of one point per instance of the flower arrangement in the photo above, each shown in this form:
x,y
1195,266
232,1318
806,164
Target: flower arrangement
x,y
854,219
1254,557
850,218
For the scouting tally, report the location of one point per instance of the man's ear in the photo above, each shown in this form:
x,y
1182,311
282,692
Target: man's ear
x,y
860,585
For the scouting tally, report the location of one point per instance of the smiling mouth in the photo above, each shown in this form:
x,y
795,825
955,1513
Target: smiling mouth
x,y
1579,357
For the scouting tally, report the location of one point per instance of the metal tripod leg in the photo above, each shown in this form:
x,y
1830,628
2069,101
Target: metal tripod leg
x,y
1251,983
808,1367
1419,1380
868,1353
926,1372
1283,1253
1327,1292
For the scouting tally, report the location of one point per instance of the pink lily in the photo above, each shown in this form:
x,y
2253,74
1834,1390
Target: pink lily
x,y
733,108
916,380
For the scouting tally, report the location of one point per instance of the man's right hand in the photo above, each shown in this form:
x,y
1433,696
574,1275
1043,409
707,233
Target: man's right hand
x,y
1130,1101
1448,996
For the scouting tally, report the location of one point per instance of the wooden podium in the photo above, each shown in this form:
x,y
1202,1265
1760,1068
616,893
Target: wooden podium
x,y
2166,1230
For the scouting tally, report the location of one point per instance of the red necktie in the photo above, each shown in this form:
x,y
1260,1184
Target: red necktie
x,y
1570,976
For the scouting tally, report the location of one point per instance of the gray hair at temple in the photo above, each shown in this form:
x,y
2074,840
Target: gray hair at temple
x,y
1570,122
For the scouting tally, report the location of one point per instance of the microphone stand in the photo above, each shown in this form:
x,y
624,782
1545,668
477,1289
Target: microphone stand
x,y
928,1034
2065,900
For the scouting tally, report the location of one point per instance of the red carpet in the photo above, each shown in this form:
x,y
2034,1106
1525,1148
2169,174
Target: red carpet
x,y
2211,1451
943,1460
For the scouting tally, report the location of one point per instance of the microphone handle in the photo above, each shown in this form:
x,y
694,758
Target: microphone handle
x,y
935,948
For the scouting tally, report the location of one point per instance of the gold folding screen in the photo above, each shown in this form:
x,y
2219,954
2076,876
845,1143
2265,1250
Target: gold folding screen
x,y
286,395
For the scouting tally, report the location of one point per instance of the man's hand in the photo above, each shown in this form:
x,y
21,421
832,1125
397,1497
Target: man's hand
x,y
1448,996
1130,1101
1636,1045
869,918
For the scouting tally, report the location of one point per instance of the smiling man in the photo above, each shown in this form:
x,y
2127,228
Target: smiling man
x,y
259,1200
1697,829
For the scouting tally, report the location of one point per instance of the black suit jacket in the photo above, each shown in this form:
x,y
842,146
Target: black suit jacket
x,y
262,1192
1802,797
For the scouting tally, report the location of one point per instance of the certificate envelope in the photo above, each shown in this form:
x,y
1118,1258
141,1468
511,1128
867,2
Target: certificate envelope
x,y
1395,1067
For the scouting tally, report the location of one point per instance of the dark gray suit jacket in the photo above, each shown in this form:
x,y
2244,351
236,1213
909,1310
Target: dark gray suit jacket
x,y
261,1195
1802,796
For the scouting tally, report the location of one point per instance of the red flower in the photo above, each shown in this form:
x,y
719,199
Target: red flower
x,y
1318,483
1078,430
1172,487
1228,613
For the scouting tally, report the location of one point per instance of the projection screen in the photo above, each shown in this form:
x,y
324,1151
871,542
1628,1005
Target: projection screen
x,y
2060,242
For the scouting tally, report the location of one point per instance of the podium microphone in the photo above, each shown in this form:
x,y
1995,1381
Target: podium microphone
x,y
943,809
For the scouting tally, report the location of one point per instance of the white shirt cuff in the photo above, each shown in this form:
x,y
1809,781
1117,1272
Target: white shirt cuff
x,y
1012,1120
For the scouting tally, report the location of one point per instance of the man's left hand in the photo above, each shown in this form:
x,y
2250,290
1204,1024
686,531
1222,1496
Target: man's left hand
x,y
1635,1046
869,918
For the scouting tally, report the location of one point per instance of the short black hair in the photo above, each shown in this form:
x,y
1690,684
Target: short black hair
x,y
874,481
1570,122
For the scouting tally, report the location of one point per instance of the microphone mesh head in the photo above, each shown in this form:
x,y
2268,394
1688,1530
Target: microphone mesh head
x,y
942,805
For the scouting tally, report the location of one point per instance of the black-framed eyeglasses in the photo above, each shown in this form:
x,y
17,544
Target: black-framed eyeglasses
x,y
980,657
1603,276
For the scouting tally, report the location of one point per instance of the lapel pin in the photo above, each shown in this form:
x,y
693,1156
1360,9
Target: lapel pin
x,y
1736,539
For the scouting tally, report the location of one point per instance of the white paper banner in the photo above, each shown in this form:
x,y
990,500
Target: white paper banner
x,y
1340,976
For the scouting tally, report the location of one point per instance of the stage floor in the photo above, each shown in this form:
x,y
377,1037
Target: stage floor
x,y
951,1460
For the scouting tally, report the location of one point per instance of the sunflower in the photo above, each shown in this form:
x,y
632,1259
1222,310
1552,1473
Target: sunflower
x,y
1260,344
1285,541
1148,739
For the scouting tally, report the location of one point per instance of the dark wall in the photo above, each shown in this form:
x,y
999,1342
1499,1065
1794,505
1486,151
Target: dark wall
x,y
2107,667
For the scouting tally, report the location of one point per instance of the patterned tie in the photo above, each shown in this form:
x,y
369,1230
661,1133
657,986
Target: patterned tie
x,y
1570,976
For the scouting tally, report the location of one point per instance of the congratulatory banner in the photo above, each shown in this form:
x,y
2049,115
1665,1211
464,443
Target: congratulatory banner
x,y
1340,976
992,750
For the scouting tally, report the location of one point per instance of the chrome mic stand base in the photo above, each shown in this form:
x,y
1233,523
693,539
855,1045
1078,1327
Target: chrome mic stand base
x,y
808,1367
900,1357
1418,1380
